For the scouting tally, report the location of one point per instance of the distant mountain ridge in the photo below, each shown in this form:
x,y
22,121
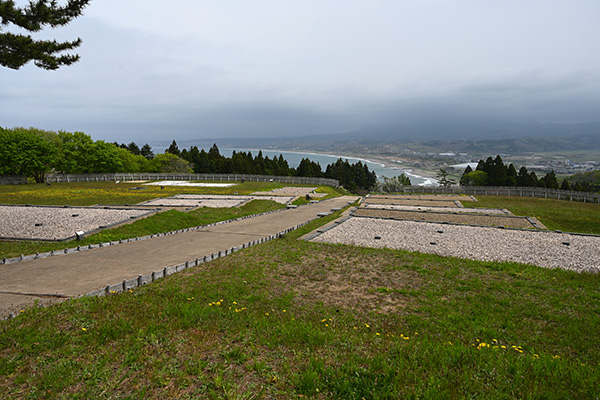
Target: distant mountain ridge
x,y
469,136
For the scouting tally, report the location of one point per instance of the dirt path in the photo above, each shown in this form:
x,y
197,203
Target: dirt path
x,y
56,278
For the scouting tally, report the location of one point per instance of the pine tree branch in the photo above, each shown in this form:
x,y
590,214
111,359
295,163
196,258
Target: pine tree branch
x,y
18,50
40,13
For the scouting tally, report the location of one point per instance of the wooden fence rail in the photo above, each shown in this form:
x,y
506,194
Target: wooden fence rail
x,y
508,191
53,178
12,180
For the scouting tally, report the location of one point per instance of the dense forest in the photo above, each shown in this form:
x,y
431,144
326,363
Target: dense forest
x,y
493,172
34,152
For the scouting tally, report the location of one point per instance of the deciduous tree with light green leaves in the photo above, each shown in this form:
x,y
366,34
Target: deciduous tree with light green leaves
x,y
80,154
28,152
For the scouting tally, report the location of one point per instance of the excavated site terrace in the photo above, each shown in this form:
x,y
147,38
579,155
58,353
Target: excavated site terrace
x,y
61,222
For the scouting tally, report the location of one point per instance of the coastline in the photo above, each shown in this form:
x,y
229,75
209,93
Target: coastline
x,y
428,178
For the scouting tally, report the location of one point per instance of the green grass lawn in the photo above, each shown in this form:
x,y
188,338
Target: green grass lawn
x,y
568,216
290,319
294,320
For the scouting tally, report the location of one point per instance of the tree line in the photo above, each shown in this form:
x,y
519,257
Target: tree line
x,y
493,172
35,152
354,177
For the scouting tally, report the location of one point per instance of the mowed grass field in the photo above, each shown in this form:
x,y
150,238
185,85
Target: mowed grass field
x,y
291,319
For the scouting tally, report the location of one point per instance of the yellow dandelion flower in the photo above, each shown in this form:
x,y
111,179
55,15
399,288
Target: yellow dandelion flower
x,y
284,310
354,327
235,302
450,343
83,329
267,314
323,320
367,326
377,333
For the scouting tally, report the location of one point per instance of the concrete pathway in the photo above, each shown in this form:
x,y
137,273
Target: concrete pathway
x,y
52,279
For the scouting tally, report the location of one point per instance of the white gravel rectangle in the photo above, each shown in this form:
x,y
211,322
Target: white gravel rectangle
x,y
462,210
187,183
58,223
214,201
545,249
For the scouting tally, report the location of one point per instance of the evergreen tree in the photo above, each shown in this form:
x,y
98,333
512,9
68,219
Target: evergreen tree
x,y
511,176
549,181
173,149
404,180
565,185
496,172
146,151
17,50
443,178
463,178
526,179
134,149
309,168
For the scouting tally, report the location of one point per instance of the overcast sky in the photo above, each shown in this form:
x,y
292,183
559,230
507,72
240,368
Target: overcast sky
x,y
157,70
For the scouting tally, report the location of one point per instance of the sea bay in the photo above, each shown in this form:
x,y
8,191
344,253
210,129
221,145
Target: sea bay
x,y
293,158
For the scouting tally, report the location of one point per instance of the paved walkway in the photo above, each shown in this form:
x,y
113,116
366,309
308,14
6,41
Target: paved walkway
x,y
52,279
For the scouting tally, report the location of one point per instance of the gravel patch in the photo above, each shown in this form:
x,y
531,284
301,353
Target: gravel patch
x,y
545,249
462,210
277,199
292,191
448,197
213,201
186,183
59,223
468,219
414,202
